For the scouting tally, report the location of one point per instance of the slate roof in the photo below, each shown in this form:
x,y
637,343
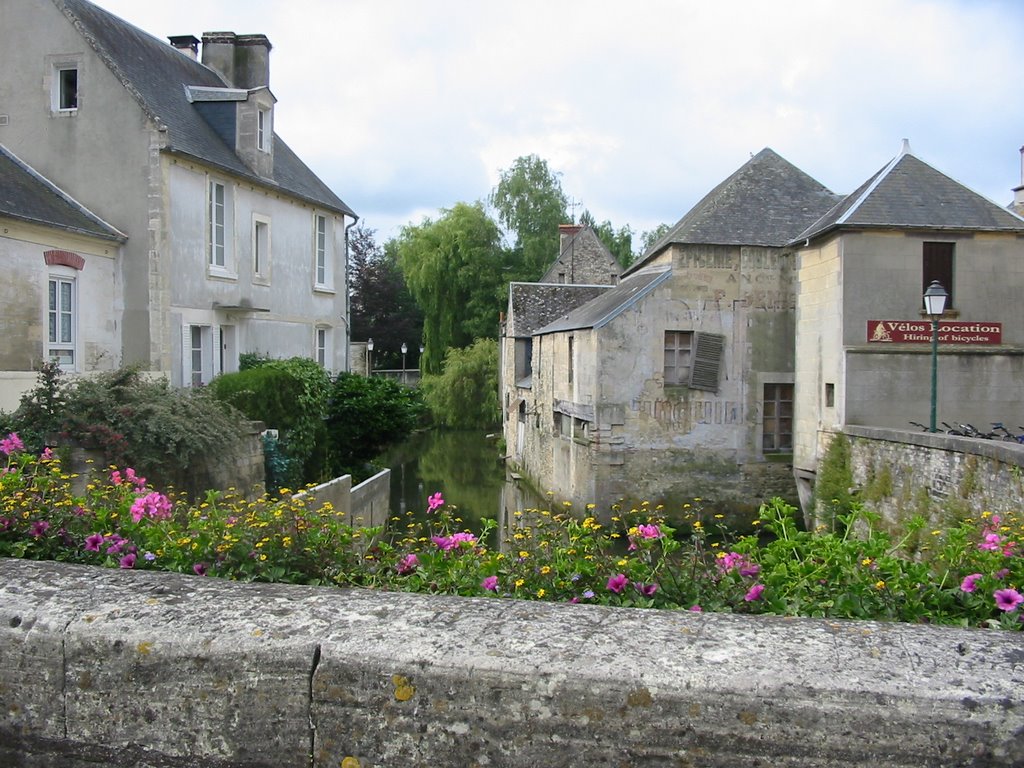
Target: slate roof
x,y
910,194
534,305
606,307
156,74
768,201
28,196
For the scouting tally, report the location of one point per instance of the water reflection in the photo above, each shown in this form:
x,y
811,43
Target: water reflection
x,y
466,467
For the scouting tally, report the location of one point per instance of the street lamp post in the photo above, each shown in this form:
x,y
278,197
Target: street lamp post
x,y
405,349
934,304
369,356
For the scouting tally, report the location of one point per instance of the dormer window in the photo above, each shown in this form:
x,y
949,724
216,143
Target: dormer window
x,y
263,130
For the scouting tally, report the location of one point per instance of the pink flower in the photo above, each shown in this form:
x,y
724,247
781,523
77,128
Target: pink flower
x,y
649,531
47,454
992,542
94,542
696,609
128,561
748,570
434,502
647,590
1001,574
490,583
1007,599
39,527
969,584
10,444
154,505
728,561
617,583
199,569
754,593
407,565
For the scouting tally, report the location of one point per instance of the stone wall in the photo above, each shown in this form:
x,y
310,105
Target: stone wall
x,y
943,477
133,669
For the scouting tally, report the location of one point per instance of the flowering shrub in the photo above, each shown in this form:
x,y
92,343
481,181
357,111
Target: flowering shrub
x,y
970,575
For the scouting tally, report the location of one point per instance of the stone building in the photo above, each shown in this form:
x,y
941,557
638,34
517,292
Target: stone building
x,y
863,346
677,382
231,243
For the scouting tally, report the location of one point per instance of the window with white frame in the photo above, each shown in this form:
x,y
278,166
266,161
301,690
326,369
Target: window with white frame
x,y
199,361
64,88
260,246
62,322
217,236
263,130
322,338
321,252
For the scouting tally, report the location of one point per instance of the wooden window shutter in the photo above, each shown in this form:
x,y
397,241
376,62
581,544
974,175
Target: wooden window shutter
x,y
707,360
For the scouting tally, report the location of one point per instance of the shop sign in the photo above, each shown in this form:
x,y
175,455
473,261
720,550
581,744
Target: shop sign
x,y
920,332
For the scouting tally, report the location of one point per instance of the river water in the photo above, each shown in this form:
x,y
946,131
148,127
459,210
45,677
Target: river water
x,y
466,467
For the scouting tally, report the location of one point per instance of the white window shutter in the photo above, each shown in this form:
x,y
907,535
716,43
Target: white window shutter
x,y
216,349
186,355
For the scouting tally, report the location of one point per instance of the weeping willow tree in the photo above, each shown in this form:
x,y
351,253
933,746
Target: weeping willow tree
x,y
455,268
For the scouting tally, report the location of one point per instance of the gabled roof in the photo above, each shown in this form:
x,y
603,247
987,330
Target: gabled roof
x,y
583,243
156,74
910,194
28,196
606,307
767,202
533,305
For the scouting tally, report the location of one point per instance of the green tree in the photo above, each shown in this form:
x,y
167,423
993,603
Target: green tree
x,y
530,203
649,238
455,268
466,394
381,306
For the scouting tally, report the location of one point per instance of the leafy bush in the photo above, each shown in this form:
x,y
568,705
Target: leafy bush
x,y
465,394
290,396
365,415
132,419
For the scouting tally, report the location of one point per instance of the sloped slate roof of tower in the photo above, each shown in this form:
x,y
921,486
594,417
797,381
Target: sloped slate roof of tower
x,y
910,194
606,307
28,196
156,74
534,305
768,201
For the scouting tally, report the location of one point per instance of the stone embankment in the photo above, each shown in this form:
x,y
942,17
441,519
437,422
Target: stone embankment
x,y
119,668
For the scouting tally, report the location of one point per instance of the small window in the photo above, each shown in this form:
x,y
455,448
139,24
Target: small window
x,y
777,433
216,239
678,345
571,358
197,354
67,88
61,322
321,346
260,247
830,395
263,130
320,249
937,264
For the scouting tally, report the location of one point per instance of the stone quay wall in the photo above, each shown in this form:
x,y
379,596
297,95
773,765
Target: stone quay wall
x,y
941,477
133,669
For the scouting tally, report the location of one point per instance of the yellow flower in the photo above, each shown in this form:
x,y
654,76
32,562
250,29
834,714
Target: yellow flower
x,y
519,583
879,584
622,562
936,533
546,570
866,561
540,592
524,554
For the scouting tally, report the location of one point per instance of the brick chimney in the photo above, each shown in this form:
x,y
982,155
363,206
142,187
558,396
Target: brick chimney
x,y
567,232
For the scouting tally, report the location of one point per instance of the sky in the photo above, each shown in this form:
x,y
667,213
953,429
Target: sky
x,y
407,107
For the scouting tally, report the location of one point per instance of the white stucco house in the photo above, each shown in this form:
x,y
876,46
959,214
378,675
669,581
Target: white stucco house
x,y
220,240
